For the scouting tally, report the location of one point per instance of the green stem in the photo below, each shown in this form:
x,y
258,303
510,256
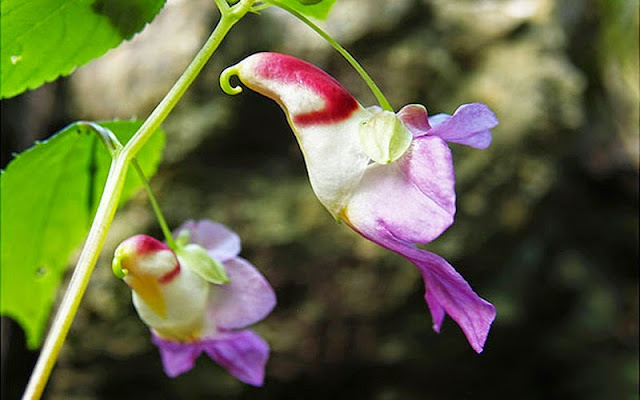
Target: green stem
x,y
114,146
384,103
156,208
109,202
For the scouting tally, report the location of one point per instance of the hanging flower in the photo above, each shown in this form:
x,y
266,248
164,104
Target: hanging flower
x,y
199,298
388,176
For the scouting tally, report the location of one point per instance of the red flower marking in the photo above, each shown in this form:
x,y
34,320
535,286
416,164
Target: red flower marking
x,y
146,244
169,276
339,104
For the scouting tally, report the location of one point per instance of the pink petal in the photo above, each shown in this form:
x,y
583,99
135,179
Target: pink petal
x,y
428,165
245,300
243,354
469,125
177,358
415,117
221,242
445,289
414,197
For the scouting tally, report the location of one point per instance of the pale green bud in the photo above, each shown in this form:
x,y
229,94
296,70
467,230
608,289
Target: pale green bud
x,y
384,138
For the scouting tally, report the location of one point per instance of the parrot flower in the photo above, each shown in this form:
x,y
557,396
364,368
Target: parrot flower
x,y
388,176
199,298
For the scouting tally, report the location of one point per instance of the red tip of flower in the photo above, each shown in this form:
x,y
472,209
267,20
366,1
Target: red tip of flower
x,y
339,103
146,244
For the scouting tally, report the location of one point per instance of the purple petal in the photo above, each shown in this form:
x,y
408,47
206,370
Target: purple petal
x,y
245,300
445,289
243,354
437,119
469,125
415,117
414,197
177,357
221,242
437,312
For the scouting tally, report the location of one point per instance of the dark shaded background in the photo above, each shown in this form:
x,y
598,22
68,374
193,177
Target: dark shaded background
x,y
547,223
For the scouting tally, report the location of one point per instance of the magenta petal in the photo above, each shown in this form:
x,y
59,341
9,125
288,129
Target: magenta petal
x,y
221,242
469,125
437,312
445,289
243,354
177,357
245,300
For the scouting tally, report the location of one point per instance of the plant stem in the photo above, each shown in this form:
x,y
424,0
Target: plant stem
x,y
114,146
109,202
384,103
156,208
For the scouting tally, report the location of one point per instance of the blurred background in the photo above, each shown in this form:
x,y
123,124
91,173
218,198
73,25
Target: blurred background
x,y
546,228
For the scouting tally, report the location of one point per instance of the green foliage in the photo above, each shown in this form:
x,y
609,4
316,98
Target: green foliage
x,y
315,9
49,195
44,39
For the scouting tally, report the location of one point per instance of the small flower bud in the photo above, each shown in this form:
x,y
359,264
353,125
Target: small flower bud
x,y
384,138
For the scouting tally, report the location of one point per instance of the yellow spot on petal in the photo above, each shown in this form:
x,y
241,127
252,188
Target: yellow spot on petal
x,y
148,288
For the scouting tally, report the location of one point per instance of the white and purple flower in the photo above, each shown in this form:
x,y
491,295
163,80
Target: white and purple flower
x,y
388,176
199,298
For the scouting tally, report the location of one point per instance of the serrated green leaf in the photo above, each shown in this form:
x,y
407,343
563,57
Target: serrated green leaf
x,y
44,39
48,195
319,10
197,259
